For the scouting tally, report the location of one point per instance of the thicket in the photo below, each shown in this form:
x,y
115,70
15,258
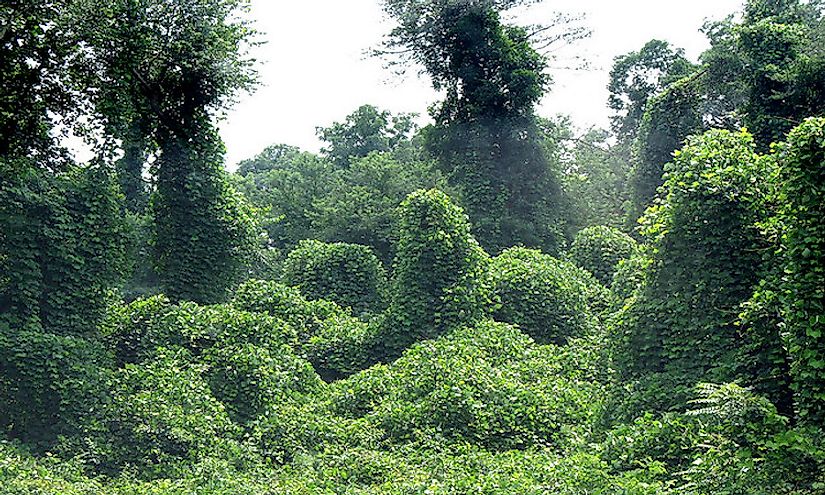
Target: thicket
x,y
547,298
62,247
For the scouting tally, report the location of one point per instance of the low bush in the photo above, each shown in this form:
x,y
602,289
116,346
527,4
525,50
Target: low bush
x,y
599,249
343,345
50,385
348,274
250,379
540,294
484,384
136,330
162,412
286,303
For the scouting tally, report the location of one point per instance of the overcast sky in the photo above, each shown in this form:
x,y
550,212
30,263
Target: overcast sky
x,y
313,69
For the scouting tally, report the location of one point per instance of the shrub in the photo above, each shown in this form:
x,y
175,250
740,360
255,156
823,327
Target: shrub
x,y
666,441
136,330
285,303
250,379
439,272
329,337
162,412
540,294
203,327
598,250
50,384
293,431
343,345
348,274
484,384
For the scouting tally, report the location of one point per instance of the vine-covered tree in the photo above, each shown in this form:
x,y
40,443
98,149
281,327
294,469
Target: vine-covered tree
x,y
180,63
439,273
485,136
802,217
681,327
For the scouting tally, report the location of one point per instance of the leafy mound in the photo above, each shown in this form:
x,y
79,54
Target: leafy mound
x,y
545,297
486,384
348,274
439,268
162,412
335,342
599,249
134,331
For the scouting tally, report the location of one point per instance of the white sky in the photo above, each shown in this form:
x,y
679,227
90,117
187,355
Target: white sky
x,y
313,69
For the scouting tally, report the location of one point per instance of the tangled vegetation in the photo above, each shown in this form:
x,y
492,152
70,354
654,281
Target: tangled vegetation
x,y
333,323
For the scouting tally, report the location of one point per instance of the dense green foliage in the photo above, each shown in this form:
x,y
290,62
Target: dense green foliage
x,y
705,264
802,196
161,412
348,274
361,203
544,296
61,247
50,384
204,232
439,267
336,343
349,335
783,66
599,249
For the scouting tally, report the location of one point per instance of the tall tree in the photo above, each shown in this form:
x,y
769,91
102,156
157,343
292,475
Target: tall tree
x,y
60,235
670,117
784,79
638,76
485,135
180,62
365,130
38,53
